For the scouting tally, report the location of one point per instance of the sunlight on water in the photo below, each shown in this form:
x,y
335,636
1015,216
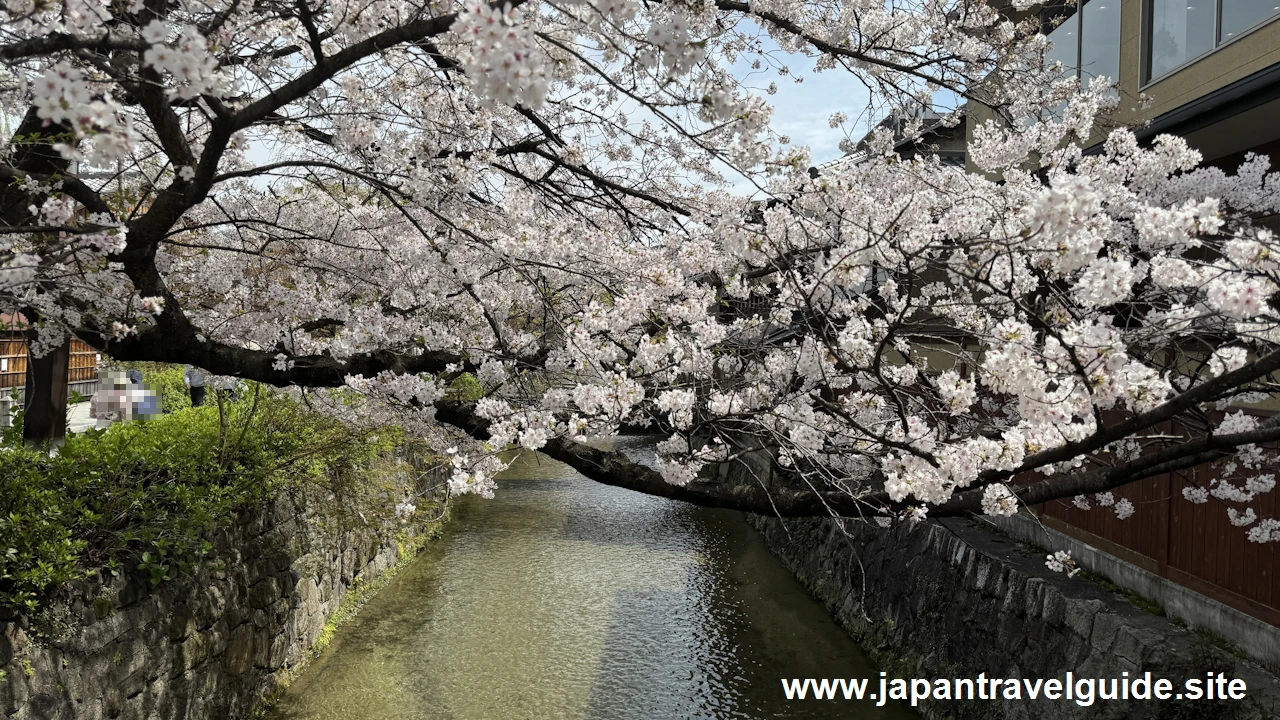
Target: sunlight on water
x,y
565,599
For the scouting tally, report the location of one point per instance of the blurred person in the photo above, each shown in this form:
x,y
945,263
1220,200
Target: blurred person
x,y
194,378
112,402
145,401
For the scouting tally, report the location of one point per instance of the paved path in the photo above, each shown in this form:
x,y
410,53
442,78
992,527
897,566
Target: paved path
x,y
78,419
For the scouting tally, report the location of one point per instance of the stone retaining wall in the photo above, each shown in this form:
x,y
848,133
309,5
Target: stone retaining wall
x,y
950,599
211,646
1255,638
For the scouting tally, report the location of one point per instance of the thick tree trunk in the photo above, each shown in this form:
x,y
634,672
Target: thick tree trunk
x,y
44,422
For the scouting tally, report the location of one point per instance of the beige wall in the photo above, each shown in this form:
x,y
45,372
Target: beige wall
x,y
975,114
1237,59
1228,63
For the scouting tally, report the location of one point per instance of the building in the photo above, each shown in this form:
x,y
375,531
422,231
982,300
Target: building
x,y
82,375
1211,72
1210,69
934,137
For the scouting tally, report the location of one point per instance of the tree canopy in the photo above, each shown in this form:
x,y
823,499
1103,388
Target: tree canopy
x,y
377,196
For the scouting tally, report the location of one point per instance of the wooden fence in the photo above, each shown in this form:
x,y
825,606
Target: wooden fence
x,y
13,362
84,363
1194,545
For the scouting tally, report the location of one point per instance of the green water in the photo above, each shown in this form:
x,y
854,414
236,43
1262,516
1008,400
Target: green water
x,y
564,599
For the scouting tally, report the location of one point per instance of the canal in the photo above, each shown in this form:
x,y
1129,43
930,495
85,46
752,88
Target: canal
x,y
563,599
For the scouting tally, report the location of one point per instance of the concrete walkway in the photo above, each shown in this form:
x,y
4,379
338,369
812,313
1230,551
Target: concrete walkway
x,y
78,419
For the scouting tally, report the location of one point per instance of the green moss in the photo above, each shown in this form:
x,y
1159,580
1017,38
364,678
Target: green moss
x,y
408,545
1032,549
103,606
1138,601
27,668
1219,642
465,388
1145,604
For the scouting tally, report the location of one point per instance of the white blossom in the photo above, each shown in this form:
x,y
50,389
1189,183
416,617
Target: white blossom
x,y
999,500
1061,561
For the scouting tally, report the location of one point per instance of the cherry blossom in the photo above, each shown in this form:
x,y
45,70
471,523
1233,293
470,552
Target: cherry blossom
x,y
367,201
1062,562
999,500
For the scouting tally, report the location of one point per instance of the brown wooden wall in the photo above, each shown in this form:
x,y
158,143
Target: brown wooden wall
x,y
14,351
1193,545
84,363
13,347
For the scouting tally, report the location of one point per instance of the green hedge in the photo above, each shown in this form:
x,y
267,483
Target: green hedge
x,y
168,384
146,494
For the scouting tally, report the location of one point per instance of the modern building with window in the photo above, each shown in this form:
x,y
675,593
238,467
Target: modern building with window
x,y
1211,68
1085,37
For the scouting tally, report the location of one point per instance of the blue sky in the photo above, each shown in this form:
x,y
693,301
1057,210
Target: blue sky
x,y
801,110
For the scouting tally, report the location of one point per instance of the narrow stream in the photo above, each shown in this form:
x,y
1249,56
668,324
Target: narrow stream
x,y
563,599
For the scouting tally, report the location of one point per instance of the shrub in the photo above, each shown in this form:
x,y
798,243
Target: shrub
x,y
146,494
38,526
12,435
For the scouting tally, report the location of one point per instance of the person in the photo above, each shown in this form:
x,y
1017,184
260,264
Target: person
x,y
111,403
147,405
195,380
145,402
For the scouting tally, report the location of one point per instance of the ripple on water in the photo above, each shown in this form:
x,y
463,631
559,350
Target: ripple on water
x,y
563,599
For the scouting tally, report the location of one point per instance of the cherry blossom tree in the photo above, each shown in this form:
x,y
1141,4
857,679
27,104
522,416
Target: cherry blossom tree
x,y
363,200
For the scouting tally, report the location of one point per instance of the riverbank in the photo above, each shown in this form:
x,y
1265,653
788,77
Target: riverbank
x,y
217,643
949,599
564,599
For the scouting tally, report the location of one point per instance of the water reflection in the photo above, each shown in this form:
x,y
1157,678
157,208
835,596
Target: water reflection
x,y
564,599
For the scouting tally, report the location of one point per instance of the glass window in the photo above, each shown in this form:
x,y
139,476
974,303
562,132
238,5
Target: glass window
x,y
1100,40
1062,28
1087,43
1240,15
1181,30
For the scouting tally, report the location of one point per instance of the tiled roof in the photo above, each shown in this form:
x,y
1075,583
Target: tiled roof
x,y
12,321
932,124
